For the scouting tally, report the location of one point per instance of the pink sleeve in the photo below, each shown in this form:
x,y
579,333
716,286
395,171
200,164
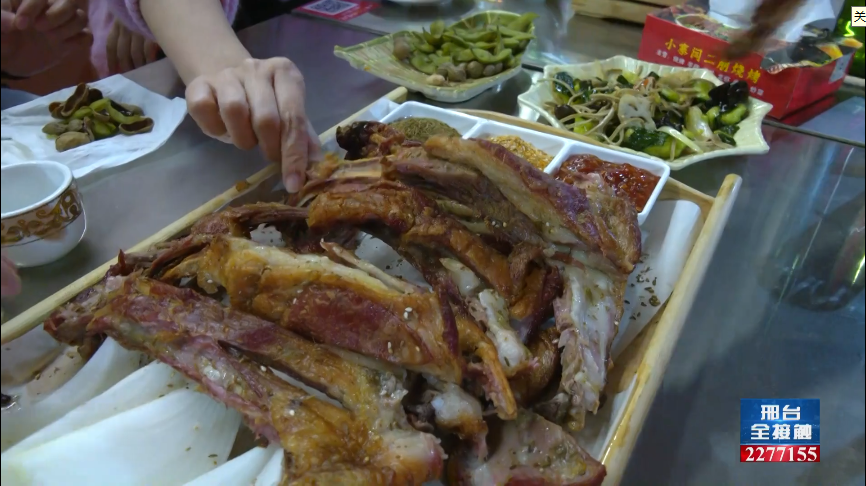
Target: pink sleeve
x,y
128,12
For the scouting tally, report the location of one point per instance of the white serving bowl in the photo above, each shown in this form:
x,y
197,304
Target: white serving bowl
x,y
42,213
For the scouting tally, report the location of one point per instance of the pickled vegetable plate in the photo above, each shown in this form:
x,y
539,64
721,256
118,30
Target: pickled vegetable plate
x,y
749,138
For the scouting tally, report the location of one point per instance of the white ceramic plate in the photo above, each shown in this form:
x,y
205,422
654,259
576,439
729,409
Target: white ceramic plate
x,y
750,139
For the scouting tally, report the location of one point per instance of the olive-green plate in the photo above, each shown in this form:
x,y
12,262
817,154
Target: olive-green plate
x,y
750,139
376,58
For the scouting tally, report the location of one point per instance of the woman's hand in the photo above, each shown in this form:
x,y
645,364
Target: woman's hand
x,y
125,50
11,284
259,102
37,34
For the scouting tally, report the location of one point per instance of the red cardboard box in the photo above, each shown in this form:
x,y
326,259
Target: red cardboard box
x,y
787,75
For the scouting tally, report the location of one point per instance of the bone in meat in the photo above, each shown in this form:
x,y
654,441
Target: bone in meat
x,y
320,439
533,451
467,187
528,385
587,317
330,303
238,221
415,220
605,226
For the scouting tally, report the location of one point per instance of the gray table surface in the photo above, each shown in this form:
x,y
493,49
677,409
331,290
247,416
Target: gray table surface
x,y
756,329
565,38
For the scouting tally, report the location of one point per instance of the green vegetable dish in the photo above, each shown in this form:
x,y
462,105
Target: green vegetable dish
x,y
663,116
462,52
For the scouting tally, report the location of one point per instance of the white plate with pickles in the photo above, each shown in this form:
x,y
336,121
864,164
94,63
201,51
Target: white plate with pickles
x,y
678,115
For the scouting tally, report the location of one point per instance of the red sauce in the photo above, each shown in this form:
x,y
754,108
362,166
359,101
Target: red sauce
x,y
627,180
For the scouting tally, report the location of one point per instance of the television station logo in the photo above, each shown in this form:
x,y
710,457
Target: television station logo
x,y
780,430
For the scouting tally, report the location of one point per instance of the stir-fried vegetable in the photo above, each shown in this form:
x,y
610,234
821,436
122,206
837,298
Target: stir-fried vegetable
x,y
663,116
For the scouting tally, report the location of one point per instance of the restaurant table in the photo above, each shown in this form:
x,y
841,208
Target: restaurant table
x,y
565,38
780,312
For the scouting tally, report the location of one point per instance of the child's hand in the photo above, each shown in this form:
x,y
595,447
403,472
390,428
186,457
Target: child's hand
x,y
260,102
126,50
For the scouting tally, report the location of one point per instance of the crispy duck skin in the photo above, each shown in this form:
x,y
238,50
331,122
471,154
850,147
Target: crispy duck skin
x,y
590,218
418,222
361,309
319,438
531,451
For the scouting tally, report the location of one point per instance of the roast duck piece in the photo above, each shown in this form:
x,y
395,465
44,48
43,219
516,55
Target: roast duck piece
x,y
387,366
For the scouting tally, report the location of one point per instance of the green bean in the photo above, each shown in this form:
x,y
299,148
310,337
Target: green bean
x,y
422,63
456,40
515,34
485,57
467,55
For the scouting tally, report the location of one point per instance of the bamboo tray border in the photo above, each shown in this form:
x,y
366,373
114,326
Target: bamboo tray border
x,y
644,360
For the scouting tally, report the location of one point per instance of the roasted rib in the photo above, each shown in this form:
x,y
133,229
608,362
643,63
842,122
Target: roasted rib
x,y
415,220
599,241
184,329
531,450
360,309
589,218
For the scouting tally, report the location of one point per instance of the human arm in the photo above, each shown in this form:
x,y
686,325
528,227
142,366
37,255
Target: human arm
x,y
229,93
